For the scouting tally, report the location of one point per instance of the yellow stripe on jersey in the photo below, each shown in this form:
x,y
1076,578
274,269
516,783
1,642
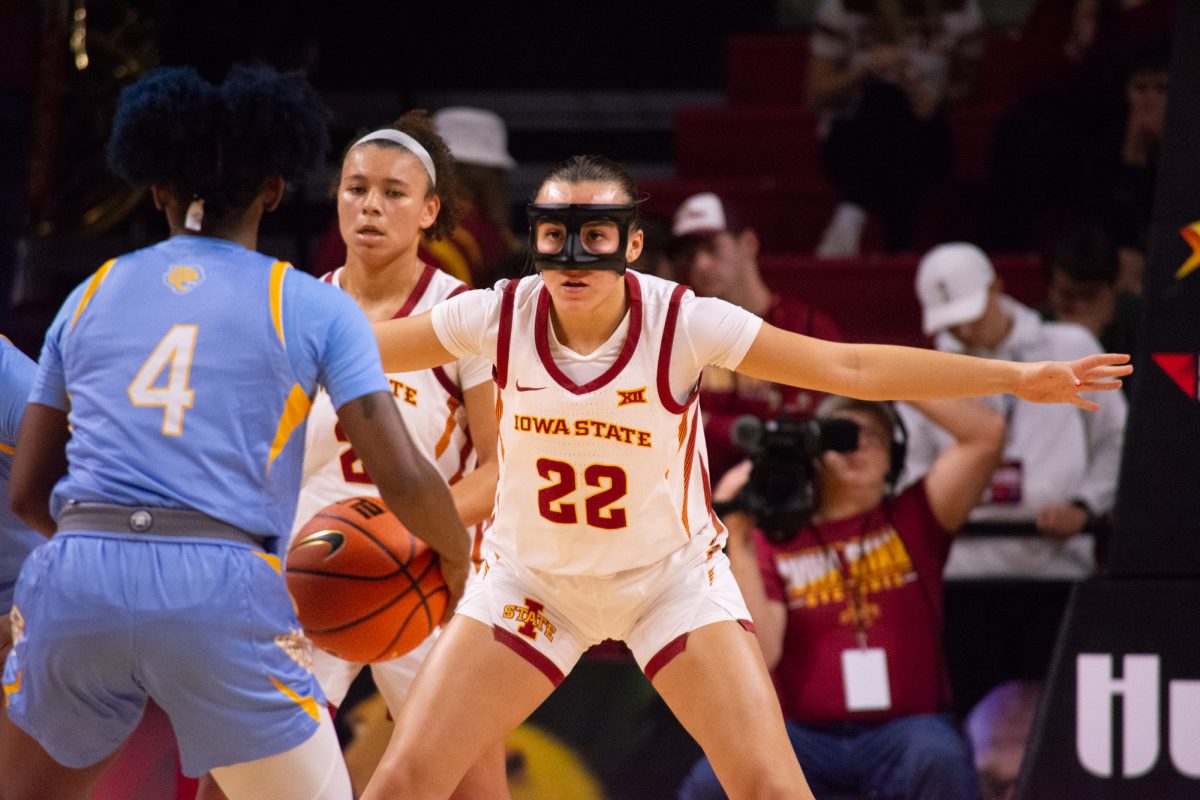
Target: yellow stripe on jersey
x,y
307,703
92,286
451,258
278,270
12,688
9,449
294,411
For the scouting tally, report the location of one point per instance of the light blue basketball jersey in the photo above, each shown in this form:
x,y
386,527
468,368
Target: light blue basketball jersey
x,y
16,539
187,369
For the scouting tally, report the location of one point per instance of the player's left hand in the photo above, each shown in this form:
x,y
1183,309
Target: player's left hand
x,y
1063,381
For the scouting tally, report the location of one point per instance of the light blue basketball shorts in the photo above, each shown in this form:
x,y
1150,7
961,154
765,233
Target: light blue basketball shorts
x,y
205,627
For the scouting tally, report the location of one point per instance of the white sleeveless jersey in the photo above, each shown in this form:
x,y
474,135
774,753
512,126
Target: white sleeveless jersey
x,y
430,403
601,477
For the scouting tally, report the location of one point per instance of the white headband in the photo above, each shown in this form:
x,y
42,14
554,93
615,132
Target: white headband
x,y
407,142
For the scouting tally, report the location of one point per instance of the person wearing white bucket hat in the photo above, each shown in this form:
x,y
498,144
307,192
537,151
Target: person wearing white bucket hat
x,y
475,136
482,246
1060,467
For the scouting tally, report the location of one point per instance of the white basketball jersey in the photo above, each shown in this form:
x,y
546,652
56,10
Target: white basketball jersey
x,y
430,403
601,477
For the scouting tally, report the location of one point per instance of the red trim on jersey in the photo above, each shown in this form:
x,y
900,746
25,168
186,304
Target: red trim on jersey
x,y
528,652
748,625
451,388
417,292
504,338
664,357
328,276
541,335
462,287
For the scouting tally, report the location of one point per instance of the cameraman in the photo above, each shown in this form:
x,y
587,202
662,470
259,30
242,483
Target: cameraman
x,y
848,610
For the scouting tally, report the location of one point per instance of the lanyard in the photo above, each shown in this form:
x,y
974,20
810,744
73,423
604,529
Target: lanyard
x,y
852,586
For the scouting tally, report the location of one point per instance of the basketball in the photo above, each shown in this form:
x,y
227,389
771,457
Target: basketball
x,y
365,588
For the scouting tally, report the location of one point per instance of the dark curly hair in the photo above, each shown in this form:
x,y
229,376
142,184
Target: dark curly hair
x,y
175,129
419,125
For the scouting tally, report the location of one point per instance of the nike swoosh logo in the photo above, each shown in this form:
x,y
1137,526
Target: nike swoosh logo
x,y
335,540
521,388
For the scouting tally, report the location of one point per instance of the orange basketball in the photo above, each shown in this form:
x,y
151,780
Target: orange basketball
x,y
365,588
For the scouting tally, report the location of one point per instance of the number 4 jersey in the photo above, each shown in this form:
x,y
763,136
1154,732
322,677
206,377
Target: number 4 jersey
x,y
188,368
602,459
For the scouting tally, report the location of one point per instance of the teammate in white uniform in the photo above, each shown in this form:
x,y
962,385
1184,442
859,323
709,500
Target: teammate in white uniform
x,y
602,526
387,197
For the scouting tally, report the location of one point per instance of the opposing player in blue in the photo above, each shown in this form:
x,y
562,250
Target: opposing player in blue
x,y
16,539
161,449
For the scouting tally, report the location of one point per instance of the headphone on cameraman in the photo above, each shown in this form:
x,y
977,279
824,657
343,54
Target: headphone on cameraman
x,y
898,433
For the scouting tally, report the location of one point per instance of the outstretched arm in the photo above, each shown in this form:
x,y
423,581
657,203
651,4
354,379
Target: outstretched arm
x,y
410,343
889,372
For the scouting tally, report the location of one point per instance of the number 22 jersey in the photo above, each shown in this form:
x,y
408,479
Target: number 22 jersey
x,y
602,457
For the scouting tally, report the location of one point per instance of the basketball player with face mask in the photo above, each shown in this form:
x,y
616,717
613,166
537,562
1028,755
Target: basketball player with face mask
x,y
603,526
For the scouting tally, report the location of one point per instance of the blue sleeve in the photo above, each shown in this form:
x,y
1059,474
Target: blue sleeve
x,y
17,371
330,341
50,384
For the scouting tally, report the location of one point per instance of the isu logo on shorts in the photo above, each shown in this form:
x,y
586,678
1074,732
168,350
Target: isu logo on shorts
x,y
531,619
627,396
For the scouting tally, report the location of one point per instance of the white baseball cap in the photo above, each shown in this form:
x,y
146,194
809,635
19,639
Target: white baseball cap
x,y
952,284
699,214
474,136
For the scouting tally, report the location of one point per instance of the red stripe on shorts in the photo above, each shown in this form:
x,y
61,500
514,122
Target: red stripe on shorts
x,y
527,651
675,647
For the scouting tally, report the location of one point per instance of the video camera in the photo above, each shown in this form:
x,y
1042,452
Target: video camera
x,y
780,491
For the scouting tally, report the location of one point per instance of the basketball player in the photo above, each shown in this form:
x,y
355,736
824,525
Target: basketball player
x,y
603,526
16,539
164,434
397,183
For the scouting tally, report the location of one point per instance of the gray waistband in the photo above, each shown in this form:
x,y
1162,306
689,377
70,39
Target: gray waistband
x,y
155,521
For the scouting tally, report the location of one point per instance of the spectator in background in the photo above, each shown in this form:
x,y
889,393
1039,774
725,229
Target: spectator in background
x,y
719,258
1067,114
482,247
1060,465
882,74
1082,269
1128,168
852,602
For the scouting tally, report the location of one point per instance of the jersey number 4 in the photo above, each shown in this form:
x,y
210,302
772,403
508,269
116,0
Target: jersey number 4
x,y
173,354
610,479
